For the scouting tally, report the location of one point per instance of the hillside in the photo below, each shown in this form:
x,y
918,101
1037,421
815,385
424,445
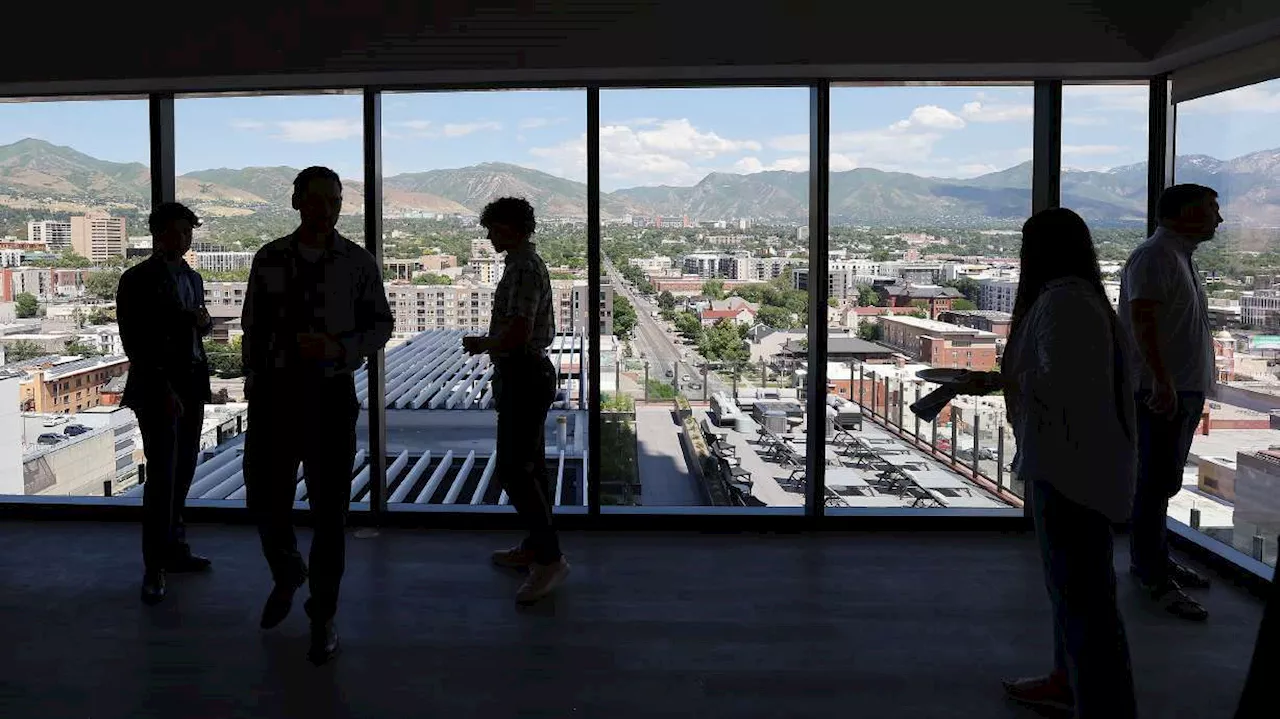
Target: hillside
x,y
37,177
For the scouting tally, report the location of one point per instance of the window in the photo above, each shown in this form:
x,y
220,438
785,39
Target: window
x,y
236,158
921,174
702,182
1230,142
1104,165
446,156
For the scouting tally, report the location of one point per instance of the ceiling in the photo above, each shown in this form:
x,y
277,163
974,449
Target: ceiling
x,y
152,45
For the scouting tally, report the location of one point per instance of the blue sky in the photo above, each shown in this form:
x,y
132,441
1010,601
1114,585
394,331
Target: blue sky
x,y
651,137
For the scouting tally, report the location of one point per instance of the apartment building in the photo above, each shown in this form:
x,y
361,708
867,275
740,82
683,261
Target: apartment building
x,y
55,235
485,265
70,387
997,294
1260,310
418,308
45,283
222,261
996,323
657,265
99,236
939,344
435,263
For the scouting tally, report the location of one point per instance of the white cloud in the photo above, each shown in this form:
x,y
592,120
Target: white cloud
x,y
978,111
248,124
466,128
751,164
647,151
975,169
310,131
931,116
418,125
1088,150
1261,98
842,163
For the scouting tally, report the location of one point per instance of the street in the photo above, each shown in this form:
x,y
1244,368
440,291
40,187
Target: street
x,y
653,344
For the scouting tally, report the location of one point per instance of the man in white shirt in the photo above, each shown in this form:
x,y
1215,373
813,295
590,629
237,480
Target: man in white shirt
x,y
1163,305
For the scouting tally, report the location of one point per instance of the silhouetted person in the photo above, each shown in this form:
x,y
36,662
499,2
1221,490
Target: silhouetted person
x,y
1258,700
314,310
520,331
160,308
1070,401
1163,305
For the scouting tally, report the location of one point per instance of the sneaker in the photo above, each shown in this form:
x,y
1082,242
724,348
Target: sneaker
x,y
514,558
1051,691
1187,577
542,581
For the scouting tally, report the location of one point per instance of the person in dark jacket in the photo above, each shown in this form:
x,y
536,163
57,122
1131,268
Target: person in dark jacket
x,y
314,310
160,308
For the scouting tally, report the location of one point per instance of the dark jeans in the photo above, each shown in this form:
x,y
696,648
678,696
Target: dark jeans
x,y
1163,445
1258,700
525,388
312,422
1089,643
171,445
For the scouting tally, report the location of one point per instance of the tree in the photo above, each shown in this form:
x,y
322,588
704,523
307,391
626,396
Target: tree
x,y
867,297
22,350
968,287
102,284
870,331
722,343
26,305
918,314
624,316
660,390
101,316
688,324
666,300
833,302
962,304
224,357
76,347
776,317
428,278
713,289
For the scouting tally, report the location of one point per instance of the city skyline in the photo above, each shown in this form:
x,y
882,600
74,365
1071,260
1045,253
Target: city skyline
x,y
655,137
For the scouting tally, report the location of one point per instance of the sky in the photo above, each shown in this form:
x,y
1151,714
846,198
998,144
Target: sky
x,y
654,137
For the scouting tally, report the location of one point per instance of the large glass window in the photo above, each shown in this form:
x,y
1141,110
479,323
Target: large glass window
x,y
704,210
74,197
236,158
1230,141
445,156
929,187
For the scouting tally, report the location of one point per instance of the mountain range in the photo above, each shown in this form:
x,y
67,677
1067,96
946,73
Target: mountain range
x,y
35,173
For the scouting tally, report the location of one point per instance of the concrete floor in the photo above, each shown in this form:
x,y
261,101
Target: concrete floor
x,y
877,625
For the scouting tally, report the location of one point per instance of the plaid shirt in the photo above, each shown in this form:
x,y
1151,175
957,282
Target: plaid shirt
x,y
525,291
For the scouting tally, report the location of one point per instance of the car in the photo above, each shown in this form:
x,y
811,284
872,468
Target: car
x,y
670,373
49,438
695,385
684,378
73,430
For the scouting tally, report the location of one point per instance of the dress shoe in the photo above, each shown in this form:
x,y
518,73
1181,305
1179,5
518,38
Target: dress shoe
x,y
279,603
153,587
188,562
324,642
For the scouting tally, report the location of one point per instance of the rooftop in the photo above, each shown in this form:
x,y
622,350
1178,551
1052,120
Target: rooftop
x,y
936,327
83,365
924,291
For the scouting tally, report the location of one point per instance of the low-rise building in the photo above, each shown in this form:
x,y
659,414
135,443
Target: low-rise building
x,y
987,320
940,344
930,298
70,386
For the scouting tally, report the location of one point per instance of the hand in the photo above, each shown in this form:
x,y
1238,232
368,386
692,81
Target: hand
x,y
1164,397
318,346
474,344
172,405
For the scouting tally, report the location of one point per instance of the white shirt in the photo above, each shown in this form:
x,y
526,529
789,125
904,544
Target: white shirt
x,y
1161,269
1071,403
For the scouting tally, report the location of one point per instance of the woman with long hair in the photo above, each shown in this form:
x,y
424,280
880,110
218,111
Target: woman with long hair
x,y
1069,399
